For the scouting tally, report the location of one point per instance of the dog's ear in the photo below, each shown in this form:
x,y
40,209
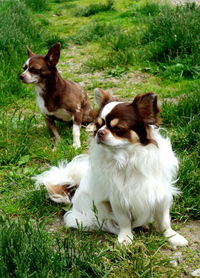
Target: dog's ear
x,y
30,53
53,54
102,97
147,107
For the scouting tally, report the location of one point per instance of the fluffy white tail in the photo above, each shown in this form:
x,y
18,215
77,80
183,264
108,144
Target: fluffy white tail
x,y
62,181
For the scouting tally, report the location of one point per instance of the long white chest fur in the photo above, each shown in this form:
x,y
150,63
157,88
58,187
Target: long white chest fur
x,y
61,113
137,179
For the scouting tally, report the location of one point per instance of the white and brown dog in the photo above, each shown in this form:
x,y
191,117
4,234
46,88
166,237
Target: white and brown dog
x,y
58,99
127,180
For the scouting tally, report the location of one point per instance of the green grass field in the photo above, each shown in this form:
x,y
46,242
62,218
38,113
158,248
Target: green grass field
x,y
127,47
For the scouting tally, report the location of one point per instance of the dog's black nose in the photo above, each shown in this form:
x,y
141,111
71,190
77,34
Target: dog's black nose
x,y
21,77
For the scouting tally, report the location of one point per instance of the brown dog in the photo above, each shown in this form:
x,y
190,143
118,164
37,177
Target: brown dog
x,y
58,99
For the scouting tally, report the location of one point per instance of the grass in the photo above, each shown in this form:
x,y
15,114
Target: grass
x,y
16,23
37,5
183,119
94,31
172,38
43,255
117,49
168,38
47,255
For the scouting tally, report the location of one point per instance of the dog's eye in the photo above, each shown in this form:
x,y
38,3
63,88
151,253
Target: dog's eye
x,y
33,70
119,130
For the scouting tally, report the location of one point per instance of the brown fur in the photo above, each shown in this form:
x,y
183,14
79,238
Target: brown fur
x,y
126,118
56,92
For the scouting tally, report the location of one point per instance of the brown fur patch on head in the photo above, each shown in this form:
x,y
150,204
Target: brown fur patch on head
x,y
134,119
38,65
147,107
102,98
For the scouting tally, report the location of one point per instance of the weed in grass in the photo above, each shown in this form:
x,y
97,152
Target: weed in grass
x,y
93,9
116,72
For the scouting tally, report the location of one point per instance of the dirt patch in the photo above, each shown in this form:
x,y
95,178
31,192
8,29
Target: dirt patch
x,y
187,258
191,230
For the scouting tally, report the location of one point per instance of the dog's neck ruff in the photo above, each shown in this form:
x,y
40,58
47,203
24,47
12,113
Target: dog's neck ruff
x,y
147,160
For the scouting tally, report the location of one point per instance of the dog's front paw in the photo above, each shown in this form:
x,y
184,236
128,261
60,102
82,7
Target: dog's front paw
x,y
76,145
125,238
177,240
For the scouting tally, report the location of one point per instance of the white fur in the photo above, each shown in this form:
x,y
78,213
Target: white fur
x,y
29,77
108,108
136,180
76,135
110,140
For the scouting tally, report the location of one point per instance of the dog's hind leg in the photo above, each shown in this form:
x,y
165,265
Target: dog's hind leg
x,y
50,122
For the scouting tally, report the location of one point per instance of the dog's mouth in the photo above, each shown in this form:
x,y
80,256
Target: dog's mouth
x,y
24,80
100,140
28,81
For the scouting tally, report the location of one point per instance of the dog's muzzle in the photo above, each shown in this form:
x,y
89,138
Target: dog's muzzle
x,y
101,134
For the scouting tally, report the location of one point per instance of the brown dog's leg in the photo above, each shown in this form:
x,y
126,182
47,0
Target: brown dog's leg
x,y
52,128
